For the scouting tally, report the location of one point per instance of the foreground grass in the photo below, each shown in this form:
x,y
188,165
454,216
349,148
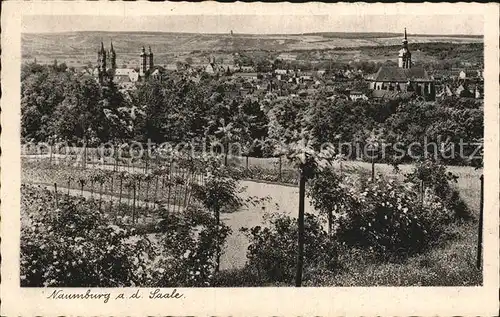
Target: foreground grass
x,y
453,264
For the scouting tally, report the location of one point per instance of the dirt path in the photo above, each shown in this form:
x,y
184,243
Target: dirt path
x,y
283,199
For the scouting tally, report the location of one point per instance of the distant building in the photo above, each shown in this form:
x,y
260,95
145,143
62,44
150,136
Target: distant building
x,y
281,71
213,68
321,72
107,71
470,74
357,95
405,77
250,76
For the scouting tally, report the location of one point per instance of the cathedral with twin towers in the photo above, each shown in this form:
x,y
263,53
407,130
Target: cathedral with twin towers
x,y
107,71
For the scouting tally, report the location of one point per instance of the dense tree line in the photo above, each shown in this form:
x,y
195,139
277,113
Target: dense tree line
x,y
62,105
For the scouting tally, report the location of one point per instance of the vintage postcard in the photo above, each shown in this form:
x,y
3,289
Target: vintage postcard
x,y
249,159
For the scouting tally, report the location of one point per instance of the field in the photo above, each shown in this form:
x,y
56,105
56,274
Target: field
x,y
79,48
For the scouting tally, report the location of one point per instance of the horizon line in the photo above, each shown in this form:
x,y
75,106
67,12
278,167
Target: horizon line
x,y
262,34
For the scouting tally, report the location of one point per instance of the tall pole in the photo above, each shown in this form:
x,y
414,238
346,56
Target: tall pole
x,y
280,165
373,167
55,195
300,223
480,227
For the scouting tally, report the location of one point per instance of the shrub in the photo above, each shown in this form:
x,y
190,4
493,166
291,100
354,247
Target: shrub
x,y
273,250
73,246
330,195
390,220
189,245
434,177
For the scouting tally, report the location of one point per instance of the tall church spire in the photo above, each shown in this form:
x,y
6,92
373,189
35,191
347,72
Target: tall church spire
x,y
102,48
112,56
142,68
404,57
101,57
150,65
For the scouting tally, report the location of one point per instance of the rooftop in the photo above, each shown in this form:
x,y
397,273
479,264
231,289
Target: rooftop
x,y
397,74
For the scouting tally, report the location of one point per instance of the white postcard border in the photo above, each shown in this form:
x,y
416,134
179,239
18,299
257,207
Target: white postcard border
x,y
245,301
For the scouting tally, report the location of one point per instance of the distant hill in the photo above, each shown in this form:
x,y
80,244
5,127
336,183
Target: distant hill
x,y
366,35
79,48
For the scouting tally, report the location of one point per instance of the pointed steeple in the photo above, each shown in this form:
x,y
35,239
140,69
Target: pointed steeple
x,y
112,56
404,57
405,40
150,65
142,68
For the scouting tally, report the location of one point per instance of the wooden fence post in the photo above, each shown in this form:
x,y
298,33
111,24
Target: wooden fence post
x,y
116,160
120,195
133,207
280,165
138,189
480,229
55,194
156,189
111,210
373,166
148,180
112,191
100,195
422,191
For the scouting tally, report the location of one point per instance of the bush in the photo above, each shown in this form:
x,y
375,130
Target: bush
x,y
331,196
273,250
435,178
73,246
390,220
189,246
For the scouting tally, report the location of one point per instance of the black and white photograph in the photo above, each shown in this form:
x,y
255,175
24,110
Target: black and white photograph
x,y
281,150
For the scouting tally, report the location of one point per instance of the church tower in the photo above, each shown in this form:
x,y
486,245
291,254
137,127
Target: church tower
x,y
101,58
150,66
404,57
142,68
101,64
112,57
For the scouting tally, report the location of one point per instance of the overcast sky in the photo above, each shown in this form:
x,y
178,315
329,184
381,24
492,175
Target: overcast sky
x,y
254,24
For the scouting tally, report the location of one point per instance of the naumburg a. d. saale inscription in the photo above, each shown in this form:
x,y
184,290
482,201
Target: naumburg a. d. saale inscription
x,y
108,296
